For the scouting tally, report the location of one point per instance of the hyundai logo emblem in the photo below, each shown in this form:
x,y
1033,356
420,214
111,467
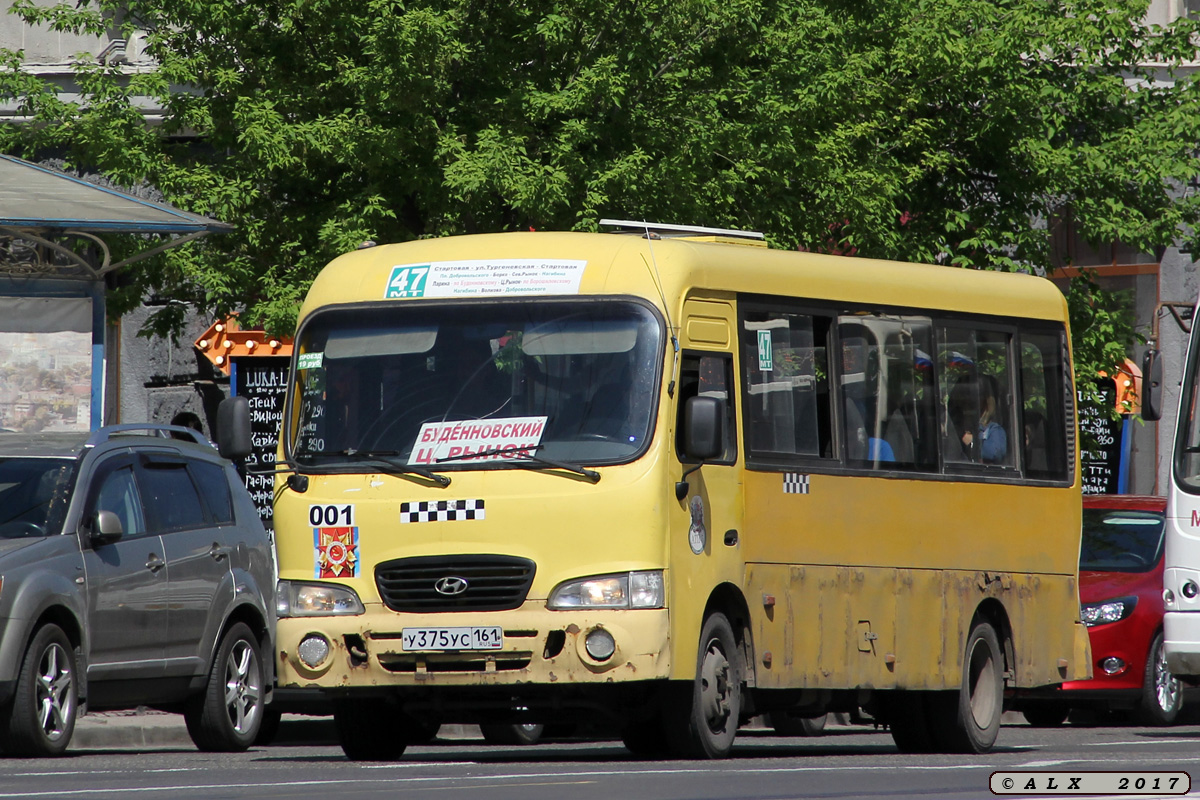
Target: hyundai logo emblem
x,y
450,585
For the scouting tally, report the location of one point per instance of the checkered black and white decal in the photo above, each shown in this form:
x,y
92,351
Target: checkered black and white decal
x,y
441,511
795,483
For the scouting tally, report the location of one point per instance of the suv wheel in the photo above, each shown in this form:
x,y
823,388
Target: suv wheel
x,y
226,718
41,714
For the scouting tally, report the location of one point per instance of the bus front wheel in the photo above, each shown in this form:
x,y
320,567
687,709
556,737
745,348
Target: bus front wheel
x,y
701,720
367,729
968,720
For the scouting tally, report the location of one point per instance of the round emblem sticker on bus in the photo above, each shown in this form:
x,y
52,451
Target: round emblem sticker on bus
x,y
697,536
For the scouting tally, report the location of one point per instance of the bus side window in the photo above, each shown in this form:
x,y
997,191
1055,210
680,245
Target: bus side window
x,y
888,391
975,385
1042,406
786,373
707,376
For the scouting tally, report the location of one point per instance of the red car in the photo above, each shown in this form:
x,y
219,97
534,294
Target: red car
x,y
1120,592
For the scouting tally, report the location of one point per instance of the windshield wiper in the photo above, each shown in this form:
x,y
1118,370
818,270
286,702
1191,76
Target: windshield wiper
x,y
525,454
394,467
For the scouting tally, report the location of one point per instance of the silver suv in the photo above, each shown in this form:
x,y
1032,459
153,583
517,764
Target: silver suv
x,y
134,570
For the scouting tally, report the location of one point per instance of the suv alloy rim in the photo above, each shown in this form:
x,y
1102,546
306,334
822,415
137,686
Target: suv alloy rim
x,y
54,696
243,694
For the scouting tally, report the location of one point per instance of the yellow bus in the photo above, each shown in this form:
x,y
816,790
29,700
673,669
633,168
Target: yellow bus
x,y
665,479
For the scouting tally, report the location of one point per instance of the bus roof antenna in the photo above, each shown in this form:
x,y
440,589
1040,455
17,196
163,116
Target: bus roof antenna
x,y
653,266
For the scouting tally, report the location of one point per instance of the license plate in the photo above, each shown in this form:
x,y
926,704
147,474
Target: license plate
x,y
484,637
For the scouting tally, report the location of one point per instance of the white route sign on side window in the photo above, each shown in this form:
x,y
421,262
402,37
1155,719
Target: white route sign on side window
x,y
493,277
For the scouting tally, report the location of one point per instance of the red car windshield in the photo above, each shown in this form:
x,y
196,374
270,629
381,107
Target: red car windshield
x,y
1123,540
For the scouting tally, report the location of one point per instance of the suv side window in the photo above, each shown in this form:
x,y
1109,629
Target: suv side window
x,y
118,493
172,501
214,489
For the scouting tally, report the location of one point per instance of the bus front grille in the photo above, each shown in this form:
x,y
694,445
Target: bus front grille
x,y
454,583
454,662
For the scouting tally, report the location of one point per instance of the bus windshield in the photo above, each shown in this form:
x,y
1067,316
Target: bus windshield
x,y
476,384
1187,443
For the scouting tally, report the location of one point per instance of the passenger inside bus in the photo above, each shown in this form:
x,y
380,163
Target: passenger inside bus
x,y
985,441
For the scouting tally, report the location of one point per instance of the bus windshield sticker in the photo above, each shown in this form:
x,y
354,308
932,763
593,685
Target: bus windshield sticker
x,y
697,535
335,541
795,483
441,510
490,277
310,361
765,362
509,439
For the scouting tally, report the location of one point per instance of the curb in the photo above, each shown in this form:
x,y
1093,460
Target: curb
x,y
149,730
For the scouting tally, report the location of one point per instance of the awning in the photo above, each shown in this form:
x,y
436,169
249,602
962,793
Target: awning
x,y
38,205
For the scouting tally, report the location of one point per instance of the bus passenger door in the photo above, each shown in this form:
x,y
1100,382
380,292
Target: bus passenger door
x,y
707,520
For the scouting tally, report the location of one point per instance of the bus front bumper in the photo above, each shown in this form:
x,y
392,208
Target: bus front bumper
x,y
539,647
1181,642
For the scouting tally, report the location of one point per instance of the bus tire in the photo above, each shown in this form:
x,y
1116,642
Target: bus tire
x,y
701,720
968,720
366,730
907,714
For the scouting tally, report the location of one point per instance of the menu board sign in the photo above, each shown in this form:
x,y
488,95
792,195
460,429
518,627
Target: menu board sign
x,y
1100,440
262,380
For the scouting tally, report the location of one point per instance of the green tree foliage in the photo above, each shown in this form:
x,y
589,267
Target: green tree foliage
x,y
930,130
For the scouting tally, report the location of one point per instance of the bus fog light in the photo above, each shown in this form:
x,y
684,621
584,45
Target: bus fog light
x,y
313,650
1168,597
1189,589
600,644
1112,665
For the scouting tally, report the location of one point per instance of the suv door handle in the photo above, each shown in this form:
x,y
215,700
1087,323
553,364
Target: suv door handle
x,y
217,552
154,563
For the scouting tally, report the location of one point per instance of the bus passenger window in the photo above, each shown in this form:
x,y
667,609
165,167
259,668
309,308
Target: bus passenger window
x,y
888,392
1043,396
786,372
975,381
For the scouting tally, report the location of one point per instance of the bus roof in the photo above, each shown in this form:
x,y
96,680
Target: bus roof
x,y
605,263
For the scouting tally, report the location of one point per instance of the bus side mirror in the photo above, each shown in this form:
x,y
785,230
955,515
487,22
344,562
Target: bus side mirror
x,y
703,432
703,435
1152,386
233,428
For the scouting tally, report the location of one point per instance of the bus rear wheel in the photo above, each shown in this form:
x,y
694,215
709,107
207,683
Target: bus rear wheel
x,y
701,720
968,720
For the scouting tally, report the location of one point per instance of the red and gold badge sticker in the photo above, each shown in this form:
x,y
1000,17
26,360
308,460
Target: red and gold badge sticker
x,y
336,552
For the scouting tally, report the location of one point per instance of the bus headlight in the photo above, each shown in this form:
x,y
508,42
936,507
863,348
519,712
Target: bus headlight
x,y
626,590
1109,611
294,599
